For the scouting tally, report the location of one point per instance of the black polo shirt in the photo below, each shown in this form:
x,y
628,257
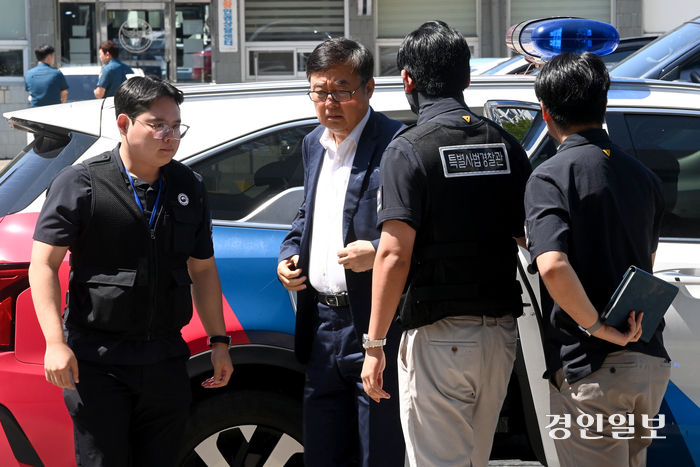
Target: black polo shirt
x,y
65,213
603,208
404,195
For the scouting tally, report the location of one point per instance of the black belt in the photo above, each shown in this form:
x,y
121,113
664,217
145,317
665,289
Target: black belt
x,y
333,299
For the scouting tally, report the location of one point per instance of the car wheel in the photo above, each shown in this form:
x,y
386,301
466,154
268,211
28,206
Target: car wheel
x,y
244,428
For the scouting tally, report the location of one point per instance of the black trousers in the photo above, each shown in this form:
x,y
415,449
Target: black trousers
x,y
129,415
342,426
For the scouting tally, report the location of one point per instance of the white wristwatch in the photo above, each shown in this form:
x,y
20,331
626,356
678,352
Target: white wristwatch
x,y
370,344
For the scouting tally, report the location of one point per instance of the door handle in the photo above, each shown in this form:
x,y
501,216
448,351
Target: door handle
x,y
677,277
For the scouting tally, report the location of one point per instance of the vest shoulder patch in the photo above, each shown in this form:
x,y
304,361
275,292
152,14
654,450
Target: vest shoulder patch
x,y
475,159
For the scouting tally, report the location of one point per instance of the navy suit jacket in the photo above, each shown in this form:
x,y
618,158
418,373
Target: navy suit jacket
x,y
359,223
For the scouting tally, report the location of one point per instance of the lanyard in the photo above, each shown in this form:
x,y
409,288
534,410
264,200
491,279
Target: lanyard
x,y
138,201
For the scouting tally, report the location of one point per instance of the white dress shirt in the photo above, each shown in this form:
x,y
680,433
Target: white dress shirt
x,y
325,274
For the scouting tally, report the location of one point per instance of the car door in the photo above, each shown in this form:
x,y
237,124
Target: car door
x,y
255,188
667,142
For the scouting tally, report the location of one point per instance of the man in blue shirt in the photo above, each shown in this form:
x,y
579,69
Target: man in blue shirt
x,y
46,85
113,72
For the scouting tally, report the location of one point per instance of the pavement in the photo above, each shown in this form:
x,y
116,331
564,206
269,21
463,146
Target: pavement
x,y
3,163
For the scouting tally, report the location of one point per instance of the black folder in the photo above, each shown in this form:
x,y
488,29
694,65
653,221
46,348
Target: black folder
x,y
641,292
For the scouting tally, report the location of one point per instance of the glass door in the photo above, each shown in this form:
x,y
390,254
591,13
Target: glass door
x,y
142,31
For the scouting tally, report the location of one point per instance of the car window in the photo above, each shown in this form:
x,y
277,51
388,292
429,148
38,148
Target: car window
x,y
81,87
243,177
656,52
690,70
30,172
669,146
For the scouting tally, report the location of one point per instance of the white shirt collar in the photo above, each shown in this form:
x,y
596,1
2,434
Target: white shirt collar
x,y
328,142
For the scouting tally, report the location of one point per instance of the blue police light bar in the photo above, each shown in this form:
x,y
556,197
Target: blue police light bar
x,y
546,37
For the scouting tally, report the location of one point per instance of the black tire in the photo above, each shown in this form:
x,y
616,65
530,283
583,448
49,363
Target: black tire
x,y
246,429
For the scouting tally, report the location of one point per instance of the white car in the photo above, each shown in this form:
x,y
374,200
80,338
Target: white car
x,y
245,140
82,81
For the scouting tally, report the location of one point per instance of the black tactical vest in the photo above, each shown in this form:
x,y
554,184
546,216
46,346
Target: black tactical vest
x,y
464,256
128,281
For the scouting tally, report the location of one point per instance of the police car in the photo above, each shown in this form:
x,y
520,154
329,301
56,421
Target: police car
x,y
245,140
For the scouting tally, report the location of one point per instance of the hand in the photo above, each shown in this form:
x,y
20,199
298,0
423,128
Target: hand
x,y
59,364
222,366
357,256
611,334
373,374
289,275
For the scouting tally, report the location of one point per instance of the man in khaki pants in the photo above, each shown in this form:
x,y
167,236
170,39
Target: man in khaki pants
x,y
451,206
592,211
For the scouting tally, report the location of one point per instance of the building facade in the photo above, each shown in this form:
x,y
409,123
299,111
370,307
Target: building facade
x,y
253,40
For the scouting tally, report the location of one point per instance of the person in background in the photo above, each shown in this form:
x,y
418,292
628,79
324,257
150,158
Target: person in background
x,y
113,73
46,85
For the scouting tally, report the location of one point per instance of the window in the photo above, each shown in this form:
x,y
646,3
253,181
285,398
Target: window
x,y
78,43
12,62
14,47
193,42
280,34
30,172
523,10
242,178
396,18
669,145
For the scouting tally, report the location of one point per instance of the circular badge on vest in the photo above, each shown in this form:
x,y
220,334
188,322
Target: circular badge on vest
x,y
183,199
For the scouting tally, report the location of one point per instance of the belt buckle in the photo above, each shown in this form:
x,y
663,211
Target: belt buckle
x,y
331,300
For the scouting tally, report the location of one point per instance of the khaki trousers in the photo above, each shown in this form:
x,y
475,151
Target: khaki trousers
x,y
453,377
617,402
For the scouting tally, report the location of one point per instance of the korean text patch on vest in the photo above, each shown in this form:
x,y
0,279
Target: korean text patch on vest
x,y
475,159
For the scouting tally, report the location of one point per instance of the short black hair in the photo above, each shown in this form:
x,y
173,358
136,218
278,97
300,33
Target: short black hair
x,y
111,47
135,95
43,51
436,57
573,88
341,51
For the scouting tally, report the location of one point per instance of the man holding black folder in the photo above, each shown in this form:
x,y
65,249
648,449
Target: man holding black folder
x,y
593,211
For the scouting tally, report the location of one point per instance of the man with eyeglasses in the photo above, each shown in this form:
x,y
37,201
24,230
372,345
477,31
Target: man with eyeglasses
x,y
138,229
327,258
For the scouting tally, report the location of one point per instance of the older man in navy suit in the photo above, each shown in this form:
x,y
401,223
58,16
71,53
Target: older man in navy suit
x,y
328,257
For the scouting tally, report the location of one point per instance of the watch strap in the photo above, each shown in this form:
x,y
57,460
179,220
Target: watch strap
x,y
219,340
589,331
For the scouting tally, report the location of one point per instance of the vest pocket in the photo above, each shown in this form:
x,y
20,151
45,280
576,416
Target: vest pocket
x,y
180,299
184,229
108,297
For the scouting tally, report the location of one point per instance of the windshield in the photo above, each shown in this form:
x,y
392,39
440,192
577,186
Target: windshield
x,y
81,87
656,52
30,172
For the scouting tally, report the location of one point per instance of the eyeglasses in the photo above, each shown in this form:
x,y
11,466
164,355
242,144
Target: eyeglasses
x,y
161,130
338,96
